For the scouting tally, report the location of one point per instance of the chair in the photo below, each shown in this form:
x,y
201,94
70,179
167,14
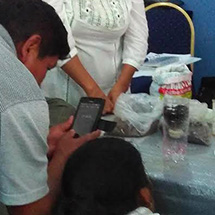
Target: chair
x,y
171,29
177,2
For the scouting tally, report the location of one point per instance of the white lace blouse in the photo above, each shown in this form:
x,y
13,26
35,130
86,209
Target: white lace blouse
x,y
105,34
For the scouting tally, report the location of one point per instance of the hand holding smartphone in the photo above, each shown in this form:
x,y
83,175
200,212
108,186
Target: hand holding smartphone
x,y
87,115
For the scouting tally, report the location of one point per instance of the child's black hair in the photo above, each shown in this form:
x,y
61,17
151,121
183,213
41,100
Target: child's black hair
x,y
103,177
23,18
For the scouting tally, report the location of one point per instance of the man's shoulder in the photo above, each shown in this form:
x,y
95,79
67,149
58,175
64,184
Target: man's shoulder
x,y
17,84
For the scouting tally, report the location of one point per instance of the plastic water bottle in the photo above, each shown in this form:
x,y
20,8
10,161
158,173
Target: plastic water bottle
x,y
175,127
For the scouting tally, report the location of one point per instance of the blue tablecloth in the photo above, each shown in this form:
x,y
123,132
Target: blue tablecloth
x,y
186,188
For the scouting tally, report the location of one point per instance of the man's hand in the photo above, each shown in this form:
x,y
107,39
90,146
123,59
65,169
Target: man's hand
x,y
56,133
61,138
68,144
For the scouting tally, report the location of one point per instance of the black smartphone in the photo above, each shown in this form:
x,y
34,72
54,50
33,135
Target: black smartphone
x,y
87,115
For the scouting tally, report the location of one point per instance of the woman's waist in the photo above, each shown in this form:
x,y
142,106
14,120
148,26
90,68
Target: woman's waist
x,y
100,60
104,74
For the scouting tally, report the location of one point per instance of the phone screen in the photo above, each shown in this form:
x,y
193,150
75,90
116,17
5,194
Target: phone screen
x,y
86,117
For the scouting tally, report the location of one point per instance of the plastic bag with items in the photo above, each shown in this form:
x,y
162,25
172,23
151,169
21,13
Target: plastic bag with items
x,y
174,79
201,120
136,115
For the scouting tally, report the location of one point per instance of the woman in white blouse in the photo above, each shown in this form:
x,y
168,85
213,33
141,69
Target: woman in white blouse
x,y
110,39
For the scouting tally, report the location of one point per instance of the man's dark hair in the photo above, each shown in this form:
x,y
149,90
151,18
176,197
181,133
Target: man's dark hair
x,y
103,177
23,18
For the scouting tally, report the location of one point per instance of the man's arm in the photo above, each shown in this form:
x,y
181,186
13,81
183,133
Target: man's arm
x,y
65,146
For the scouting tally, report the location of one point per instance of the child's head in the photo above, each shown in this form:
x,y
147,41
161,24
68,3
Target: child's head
x,y
104,176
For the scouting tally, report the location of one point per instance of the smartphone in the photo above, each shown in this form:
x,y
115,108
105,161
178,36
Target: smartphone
x,y
87,115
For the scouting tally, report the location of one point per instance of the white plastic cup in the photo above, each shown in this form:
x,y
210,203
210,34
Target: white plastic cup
x,y
175,127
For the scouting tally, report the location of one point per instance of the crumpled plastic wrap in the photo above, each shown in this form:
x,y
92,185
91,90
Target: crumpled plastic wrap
x,y
172,74
201,120
136,115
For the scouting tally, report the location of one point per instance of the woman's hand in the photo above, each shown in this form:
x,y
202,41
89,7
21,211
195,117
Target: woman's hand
x,y
123,82
98,93
79,74
115,92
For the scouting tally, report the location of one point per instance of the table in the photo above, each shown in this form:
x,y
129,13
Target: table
x,y
186,188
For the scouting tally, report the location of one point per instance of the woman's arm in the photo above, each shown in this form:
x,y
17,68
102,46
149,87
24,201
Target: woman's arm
x,y
122,83
135,45
78,73
72,66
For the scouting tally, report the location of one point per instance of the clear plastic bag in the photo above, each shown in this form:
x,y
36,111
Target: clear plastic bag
x,y
201,120
137,114
172,80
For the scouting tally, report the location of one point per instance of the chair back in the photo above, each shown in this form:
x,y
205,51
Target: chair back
x,y
171,29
